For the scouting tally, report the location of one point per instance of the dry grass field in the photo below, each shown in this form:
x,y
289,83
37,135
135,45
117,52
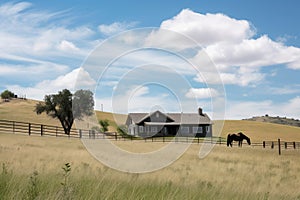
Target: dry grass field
x,y
260,131
23,111
226,173
31,166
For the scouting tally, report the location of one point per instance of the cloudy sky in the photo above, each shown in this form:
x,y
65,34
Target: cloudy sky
x,y
192,51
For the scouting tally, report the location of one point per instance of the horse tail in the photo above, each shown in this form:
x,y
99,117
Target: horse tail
x,y
228,140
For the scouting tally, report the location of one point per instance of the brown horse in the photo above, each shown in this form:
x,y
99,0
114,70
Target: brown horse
x,y
237,137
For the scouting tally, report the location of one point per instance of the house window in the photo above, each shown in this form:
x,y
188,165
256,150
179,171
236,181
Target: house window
x,y
157,115
153,129
141,129
197,129
185,129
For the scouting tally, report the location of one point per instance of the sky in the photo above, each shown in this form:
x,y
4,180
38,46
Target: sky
x,y
233,58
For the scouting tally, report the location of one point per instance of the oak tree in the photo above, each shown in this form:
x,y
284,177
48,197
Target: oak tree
x,y
66,107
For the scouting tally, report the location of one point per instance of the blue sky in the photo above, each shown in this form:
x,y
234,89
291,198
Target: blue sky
x,y
254,45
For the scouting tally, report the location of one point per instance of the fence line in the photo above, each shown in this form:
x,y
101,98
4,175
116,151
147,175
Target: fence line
x,y
50,130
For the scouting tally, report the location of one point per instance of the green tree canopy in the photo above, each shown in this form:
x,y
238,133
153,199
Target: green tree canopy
x,y
60,106
6,94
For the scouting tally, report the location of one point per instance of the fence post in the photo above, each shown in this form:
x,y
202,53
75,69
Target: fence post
x,y
285,145
42,130
116,136
294,144
279,147
80,133
29,129
264,144
272,145
56,131
219,140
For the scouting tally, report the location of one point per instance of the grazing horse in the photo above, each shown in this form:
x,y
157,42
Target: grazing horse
x,y
237,137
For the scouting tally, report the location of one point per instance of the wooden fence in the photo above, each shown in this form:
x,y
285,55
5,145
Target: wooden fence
x,y
15,127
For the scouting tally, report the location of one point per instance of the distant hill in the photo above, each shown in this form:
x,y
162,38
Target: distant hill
x,y
276,120
23,110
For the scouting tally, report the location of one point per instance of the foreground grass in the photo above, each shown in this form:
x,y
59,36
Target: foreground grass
x,y
32,169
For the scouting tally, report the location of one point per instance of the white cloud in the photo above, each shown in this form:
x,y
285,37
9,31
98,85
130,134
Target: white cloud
x,y
41,69
201,93
11,9
78,77
231,44
247,109
253,53
30,33
67,46
115,27
240,77
209,29
285,90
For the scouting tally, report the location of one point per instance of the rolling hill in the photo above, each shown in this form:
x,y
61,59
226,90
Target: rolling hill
x,y
23,110
276,120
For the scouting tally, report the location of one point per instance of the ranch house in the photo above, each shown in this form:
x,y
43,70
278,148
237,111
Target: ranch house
x,y
169,124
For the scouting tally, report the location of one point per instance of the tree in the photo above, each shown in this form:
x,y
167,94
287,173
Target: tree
x,y
104,123
83,104
6,94
60,106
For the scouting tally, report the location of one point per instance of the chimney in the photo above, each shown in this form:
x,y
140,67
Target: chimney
x,y
200,112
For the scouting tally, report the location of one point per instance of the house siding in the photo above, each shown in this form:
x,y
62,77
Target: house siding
x,y
142,126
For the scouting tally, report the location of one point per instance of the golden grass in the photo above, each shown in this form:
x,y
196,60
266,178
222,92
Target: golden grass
x,y
23,110
240,173
260,131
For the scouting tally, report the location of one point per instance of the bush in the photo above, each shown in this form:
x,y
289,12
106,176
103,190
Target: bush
x,y
7,94
104,124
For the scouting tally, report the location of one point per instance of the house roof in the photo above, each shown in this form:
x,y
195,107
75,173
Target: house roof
x,y
177,118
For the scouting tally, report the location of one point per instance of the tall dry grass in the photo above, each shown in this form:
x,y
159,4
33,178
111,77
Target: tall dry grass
x,y
226,173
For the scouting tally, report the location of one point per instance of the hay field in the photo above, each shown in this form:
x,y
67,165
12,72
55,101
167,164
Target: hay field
x,y
32,167
23,111
260,131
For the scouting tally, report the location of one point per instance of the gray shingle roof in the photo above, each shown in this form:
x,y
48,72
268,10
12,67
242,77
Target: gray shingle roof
x,y
179,118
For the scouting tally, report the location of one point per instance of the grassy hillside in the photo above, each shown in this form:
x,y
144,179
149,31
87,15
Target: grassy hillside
x,y
259,131
23,110
276,120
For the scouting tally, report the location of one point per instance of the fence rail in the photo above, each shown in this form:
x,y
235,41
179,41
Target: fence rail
x,y
26,128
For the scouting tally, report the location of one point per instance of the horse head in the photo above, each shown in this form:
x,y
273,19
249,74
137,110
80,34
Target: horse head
x,y
248,141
